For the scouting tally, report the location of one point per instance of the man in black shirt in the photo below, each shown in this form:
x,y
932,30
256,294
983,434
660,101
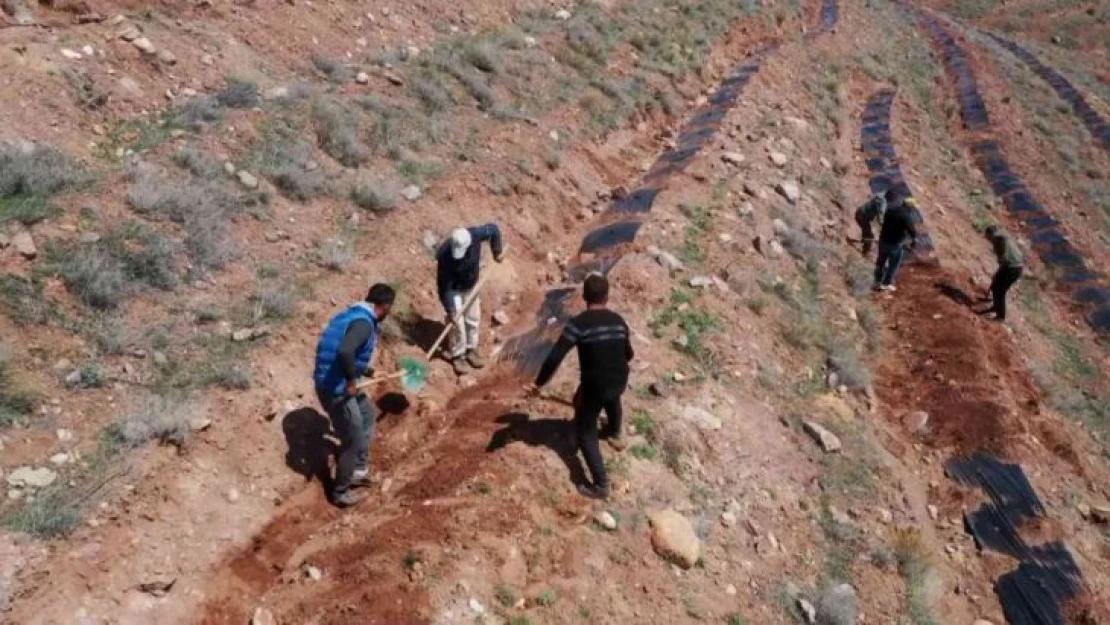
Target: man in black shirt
x,y
604,351
897,230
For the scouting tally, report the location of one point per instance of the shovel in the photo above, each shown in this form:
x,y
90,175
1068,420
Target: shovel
x,y
413,375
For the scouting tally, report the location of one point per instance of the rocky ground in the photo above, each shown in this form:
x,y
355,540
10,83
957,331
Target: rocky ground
x,y
188,192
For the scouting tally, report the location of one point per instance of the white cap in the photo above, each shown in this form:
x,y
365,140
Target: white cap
x,y
460,242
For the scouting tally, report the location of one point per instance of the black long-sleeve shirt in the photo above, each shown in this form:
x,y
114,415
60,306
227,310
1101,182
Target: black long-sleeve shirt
x,y
897,226
458,275
604,349
358,332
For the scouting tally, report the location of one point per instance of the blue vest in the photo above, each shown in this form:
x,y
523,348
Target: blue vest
x,y
329,375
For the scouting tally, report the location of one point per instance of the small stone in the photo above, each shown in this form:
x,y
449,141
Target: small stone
x,y
730,590
160,359
262,616
89,237
702,419
59,459
430,240
313,573
673,538
247,179
200,423
71,54
64,435
207,59
25,244
915,422
933,512
530,41
229,168
779,159
411,193
808,610
779,226
606,520
394,79
732,158
476,606
886,517
658,389
775,248
562,14
701,282
144,45
728,518
501,318
789,190
73,378
158,587
746,209
233,495
827,440
1100,514
130,34
167,57
29,477
362,78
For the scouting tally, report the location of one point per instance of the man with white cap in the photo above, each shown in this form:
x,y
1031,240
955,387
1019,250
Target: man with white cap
x,y
458,261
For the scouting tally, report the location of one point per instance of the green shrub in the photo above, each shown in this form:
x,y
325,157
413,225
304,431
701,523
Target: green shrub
x,y
339,133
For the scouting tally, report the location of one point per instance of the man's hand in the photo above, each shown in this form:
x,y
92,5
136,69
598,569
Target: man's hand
x,y
531,390
499,257
449,319
352,388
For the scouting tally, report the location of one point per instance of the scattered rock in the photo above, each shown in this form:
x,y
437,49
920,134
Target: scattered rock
x,y
732,158
701,282
673,538
249,334
207,59
779,226
501,318
728,518
362,78
796,122
262,616
1100,514
730,590
313,573
229,168
59,459
775,248
658,389
789,190
411,193
130,33
233,495
167,57
933,512
145,46
746,209
606,520
827,440
247,179
160,359
779,159
89,237
665,259
25,244
430,241
476,606
159,587
71,54
808,611
916,421
530,41
702,419
394,79
200,424
28,477
886,517
4,241
562,14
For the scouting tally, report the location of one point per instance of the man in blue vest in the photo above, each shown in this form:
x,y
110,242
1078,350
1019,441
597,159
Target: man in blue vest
x,y
343,354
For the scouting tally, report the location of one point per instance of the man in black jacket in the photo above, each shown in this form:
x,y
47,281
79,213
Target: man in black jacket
x,y
458,262
871,213
604,351
897,231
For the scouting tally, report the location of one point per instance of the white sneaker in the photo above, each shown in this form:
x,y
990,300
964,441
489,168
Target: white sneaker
x,y
889,288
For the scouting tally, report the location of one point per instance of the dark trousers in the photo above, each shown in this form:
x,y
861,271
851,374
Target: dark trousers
x,y
1003,279
588,404
888,262
867,235
352,419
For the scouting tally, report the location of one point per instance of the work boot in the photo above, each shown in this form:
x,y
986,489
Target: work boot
x,y
617,442
458,363
474,359
348,498
591,491
361,479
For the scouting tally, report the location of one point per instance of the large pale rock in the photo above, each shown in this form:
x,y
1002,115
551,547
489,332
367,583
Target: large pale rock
x,y
827,440
29,477
673,538
25,244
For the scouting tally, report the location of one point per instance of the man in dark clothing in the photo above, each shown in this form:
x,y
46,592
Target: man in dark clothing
x,y
1011,263
458,263
871,213
343,354
897,230
604,351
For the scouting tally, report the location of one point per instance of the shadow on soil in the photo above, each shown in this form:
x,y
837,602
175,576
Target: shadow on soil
x,y
555,434
956,294
308,447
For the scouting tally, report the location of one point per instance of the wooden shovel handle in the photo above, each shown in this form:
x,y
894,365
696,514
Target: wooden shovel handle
x,y
380,378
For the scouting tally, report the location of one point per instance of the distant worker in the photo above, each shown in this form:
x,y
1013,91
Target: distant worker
x,y
1011,263
604,351
897,232
871,213
343,354
457,267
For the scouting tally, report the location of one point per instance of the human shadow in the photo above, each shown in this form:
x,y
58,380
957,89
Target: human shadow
x,y
555,434
955,293
308,448
392,404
